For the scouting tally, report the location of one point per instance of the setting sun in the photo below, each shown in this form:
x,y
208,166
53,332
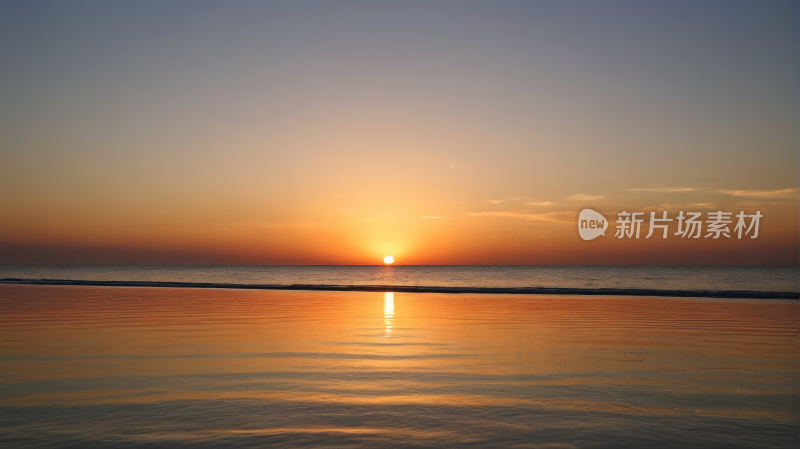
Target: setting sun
x,y
388,259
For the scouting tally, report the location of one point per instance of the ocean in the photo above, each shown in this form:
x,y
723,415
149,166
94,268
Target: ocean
x,y
708,278
151,367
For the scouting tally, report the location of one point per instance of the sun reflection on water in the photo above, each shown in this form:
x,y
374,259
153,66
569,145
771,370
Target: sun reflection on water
x,y
388,311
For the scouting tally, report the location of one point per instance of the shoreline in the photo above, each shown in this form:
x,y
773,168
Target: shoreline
x,y
420,289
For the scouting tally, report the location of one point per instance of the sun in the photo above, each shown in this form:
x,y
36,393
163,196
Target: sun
x,y
388,259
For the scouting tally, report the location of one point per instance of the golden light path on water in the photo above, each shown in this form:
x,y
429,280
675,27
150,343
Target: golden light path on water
x,y
388,312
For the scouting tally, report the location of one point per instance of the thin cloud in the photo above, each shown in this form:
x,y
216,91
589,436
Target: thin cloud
x,y
541,203
431,216
581,197
285,225
670,206
785,193
506,199
668,189
550,217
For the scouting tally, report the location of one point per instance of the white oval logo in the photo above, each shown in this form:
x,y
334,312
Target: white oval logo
x,y
591,224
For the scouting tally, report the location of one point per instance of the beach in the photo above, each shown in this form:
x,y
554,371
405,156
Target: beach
x,y
94,366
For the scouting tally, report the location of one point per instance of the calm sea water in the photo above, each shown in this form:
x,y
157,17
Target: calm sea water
x,y
90,367
776,279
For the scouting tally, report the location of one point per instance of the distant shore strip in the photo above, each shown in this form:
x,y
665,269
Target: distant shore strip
x,y
420,289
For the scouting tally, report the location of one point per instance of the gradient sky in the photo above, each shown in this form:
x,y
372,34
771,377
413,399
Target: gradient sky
x,y
441,132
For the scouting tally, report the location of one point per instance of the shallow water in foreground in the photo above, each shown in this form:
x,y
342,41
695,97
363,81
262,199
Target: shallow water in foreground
x,y
148,367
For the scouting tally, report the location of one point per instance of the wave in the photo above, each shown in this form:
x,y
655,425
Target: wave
x,y
423,289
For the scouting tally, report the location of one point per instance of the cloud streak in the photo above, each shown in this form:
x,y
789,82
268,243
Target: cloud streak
x,y
582,197
506,199
668,189
785,193
671,206
549,217
541,203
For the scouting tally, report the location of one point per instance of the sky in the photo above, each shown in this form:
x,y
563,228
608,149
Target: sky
x,y
439,132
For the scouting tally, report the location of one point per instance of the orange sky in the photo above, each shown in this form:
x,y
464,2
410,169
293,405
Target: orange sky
x,y
333,134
